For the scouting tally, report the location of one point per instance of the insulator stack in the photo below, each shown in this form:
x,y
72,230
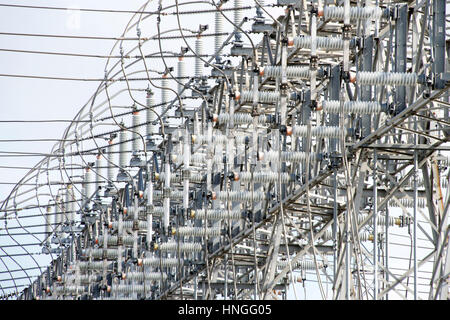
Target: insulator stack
x,y
216,214
218,138
58,217
49,216
181,75
123,149
155,211
177,178
363,236
160,262
238,118
262,177
263,96
356,107
328,43
129,225
304,265
114,240
198,61
165,95
356,13
143,276
386,78
199,159
70,290
289,156
291,72
109,254
70,204
381,220
129,288
151,117
137,144
99,174
89,185
83,279
93,265
238,14
196,231
219,29
112,162
241,196
174,194
175,247
318,131
408,203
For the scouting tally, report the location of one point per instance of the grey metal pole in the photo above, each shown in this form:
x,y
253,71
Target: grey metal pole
x,y
375,227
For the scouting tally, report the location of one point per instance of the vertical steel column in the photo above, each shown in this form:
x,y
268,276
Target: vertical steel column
x,y
415,196
366,91
334,88
438,42
375,227
401,35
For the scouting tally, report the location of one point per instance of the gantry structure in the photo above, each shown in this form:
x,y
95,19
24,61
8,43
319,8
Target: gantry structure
x,y
274,147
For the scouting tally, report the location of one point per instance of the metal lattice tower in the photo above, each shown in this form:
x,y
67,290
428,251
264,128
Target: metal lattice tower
x,y
286,145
